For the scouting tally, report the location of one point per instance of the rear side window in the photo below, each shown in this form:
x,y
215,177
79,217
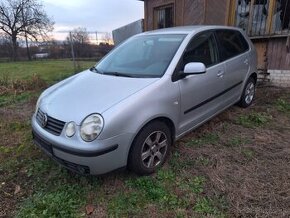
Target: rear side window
x,y
231,43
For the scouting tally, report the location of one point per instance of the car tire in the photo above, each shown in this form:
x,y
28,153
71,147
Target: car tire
x,y
248,94
150,148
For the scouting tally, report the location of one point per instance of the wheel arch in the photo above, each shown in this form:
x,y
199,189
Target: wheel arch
x,y
167,121
254,75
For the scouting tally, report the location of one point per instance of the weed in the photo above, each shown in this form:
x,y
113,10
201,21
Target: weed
x,y
210,138
195,185
153,189
205,206
157,190
248,153
62,202
283,105
6,150
9,99
166,175
126,204
40,167
178,162
253,119
202,160
236,141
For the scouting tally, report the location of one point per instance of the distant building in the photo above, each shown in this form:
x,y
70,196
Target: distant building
x,y
265,21
41,55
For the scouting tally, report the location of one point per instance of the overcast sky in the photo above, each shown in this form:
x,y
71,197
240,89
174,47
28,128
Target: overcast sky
x,y
94,15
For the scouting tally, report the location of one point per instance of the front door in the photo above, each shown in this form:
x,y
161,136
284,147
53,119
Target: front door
x,y
200,94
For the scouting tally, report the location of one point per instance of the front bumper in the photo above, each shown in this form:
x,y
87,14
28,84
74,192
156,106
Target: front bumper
x,y
97,157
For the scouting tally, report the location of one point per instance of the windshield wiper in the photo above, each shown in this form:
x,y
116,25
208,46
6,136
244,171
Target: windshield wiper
x,y
94,69
118,74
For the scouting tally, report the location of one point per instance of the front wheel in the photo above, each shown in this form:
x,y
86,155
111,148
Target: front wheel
x,y
248,93
149,149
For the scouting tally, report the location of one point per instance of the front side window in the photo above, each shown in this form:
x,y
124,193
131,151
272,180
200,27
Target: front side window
x,y
142,56
232,43
163,17
202,49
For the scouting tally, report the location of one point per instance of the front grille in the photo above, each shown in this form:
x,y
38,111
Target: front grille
x,y
52,125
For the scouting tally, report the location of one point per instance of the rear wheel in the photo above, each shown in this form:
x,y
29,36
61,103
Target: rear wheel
x,y
150,148
248,93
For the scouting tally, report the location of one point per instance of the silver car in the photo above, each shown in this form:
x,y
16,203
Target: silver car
x,y
147,93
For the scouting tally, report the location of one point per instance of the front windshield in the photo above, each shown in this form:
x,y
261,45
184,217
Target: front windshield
x,y
141,56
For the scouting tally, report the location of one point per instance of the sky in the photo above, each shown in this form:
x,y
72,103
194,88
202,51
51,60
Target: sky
x,y
94,15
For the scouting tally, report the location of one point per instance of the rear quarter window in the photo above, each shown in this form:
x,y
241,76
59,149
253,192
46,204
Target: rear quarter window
x,y
231,43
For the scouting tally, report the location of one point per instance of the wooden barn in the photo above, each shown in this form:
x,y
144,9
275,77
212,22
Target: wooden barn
x,y
265,21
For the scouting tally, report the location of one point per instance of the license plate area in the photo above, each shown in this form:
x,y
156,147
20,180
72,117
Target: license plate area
x,y
47,147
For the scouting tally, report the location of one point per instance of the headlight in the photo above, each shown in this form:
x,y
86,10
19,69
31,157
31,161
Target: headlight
x,y
91,127
70,129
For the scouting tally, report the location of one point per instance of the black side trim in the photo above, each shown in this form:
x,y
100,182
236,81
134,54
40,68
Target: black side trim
x,y
45,144
212,98
89,153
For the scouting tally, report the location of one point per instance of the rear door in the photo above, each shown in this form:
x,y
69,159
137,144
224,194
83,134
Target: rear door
x,y
200,94
233,52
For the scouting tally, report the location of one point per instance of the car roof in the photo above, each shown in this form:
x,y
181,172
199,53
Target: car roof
x,y
187,29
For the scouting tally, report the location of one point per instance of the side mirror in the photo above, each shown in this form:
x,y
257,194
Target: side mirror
x,y
194,68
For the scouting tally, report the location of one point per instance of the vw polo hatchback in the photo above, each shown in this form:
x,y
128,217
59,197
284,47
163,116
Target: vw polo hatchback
x,y
148,92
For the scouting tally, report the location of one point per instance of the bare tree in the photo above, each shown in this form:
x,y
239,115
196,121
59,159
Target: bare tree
x,y
80,41
24,19
107,38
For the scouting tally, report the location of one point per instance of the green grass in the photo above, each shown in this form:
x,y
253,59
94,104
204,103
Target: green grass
x,y
180,162
49,70
209,138
22,81
9,99
254,119
283,105
126,204
237,141
61,202
195,184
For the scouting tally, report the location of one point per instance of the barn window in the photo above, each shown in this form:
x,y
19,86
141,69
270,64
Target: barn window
x,y
164,17
261,17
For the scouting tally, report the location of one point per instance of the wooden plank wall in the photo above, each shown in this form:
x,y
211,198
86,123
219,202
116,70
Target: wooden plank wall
x,y
261,48
216,12
278,56
186,12
189,12
193,12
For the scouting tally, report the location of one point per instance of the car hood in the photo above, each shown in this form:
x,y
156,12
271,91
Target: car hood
x,y
81,95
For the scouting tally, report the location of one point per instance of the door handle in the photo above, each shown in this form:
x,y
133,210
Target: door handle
x,y
220,73
246,62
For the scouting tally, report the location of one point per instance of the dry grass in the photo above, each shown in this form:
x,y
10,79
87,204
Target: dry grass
x,y
250,166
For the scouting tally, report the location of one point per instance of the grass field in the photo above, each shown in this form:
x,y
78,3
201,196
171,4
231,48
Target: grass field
x,y
236,165
50,71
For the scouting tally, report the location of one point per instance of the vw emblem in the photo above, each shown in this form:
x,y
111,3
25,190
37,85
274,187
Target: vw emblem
x,y
44,120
